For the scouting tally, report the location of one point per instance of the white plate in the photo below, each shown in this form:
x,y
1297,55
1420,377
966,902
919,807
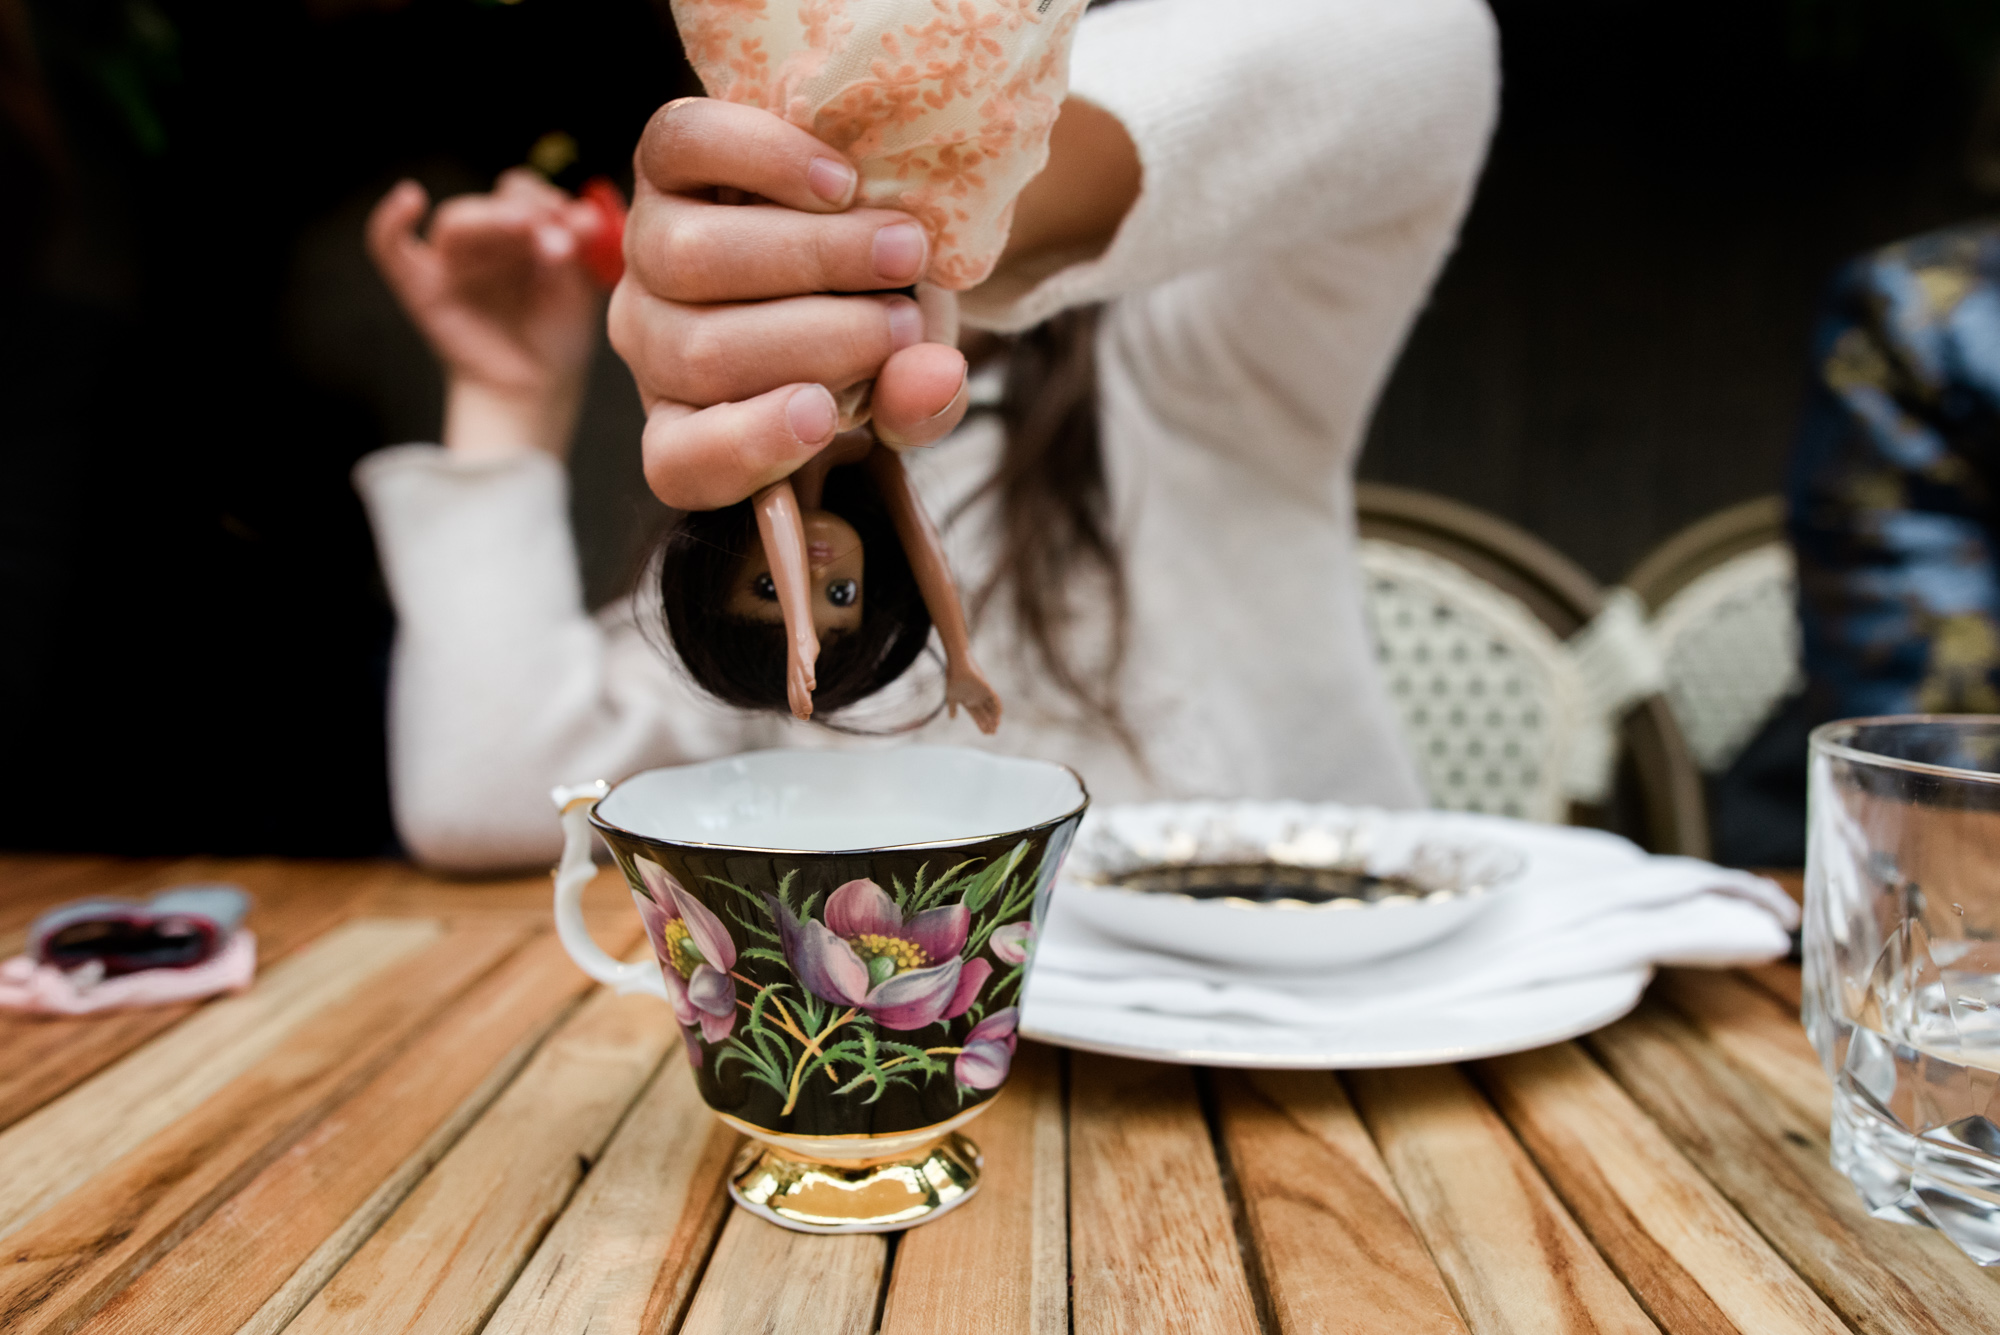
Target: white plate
x,y
1486,1027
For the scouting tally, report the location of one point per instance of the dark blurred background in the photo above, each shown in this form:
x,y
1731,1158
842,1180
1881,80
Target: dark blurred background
x,y
1618,346
194,350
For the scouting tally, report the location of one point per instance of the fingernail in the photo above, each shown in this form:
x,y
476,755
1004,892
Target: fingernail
x,y
906,323
964,388
811,415
897,441
832,181
899,252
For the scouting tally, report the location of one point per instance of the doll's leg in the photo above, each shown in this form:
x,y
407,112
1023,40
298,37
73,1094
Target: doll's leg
x,y
965,684
783,531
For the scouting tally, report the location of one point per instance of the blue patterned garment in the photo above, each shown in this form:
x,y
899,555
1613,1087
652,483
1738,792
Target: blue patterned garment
x,y
1893,483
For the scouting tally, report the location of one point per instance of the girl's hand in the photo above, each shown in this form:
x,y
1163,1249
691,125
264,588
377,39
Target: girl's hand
x,y
726,314
499,291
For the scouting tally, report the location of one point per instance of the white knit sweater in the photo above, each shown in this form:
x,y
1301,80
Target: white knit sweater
x,y
1306,163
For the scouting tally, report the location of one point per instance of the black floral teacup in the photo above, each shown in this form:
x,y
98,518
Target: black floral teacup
x,y
844,937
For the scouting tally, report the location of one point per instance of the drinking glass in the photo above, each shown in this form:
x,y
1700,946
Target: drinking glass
x,y
1902,965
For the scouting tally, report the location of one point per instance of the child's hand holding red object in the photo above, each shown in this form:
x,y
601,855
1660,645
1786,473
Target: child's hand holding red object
x,y
502,288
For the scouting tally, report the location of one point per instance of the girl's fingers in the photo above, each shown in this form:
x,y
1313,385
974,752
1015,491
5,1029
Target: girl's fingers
x,y
391,234
715,354
920,395
708,458
691,250
697,144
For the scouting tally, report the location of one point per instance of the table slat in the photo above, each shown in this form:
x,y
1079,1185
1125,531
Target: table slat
x,y
1783,981
1152,1243
338,1183
1515,1260
42,1057
1770,1160
627,1251
766,1280
444,1260
1000,1262
68,1261
49,1152
1759,1035
1336,1249
1691,1259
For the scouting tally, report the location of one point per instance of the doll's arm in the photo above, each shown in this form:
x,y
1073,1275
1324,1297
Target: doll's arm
x,y
965,684
783,530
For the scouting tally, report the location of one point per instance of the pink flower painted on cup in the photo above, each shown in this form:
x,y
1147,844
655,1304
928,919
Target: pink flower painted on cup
x,y
695,952
904,975
1013,943
989,1051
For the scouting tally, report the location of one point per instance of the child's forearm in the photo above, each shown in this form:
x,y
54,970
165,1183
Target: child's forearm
x,y
925,550
482,421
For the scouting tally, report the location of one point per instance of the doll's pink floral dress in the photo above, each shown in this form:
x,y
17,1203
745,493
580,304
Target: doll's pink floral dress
x,y
944,105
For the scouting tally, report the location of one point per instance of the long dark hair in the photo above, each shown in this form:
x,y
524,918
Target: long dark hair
x,y
742,662
1054,527
1055,512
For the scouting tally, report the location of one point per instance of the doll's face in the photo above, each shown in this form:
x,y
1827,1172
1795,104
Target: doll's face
x,y
833,558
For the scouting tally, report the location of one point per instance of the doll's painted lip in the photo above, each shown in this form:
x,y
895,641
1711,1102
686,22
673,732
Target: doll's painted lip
x,y
819,553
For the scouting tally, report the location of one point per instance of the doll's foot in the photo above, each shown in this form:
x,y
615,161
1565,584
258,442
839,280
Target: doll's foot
x,y
971,690
800,682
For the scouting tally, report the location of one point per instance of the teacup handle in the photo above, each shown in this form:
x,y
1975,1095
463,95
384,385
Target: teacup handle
x,y
573,873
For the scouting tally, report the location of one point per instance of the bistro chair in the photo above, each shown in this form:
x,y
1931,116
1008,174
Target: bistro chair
x,y
1524,688
1722,602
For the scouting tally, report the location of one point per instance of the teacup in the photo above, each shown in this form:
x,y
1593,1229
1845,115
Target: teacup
x,y
844,937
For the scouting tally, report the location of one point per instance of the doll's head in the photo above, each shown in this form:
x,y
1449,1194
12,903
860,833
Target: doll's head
x,y
724,620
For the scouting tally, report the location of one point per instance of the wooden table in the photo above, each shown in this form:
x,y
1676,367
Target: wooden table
x,y
422,1119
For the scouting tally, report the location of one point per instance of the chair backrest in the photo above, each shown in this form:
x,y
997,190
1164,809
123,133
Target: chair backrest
x,y
1722,599
1471,618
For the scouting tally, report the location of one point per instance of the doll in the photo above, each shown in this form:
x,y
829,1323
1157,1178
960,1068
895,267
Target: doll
x,y
945,107
841,555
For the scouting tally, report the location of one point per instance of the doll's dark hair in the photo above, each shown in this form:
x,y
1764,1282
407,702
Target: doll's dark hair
x,y
742,662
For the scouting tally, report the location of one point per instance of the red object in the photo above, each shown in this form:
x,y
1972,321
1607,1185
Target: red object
x,y
604,253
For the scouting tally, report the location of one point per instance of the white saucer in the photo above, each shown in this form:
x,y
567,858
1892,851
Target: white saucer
x,y
1485,1027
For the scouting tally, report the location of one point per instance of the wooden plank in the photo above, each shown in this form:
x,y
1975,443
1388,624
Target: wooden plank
x,y
1336,1249
766,1280
406,892
1770,1160
1000,1262
1692,1261
627,1251
72,1258
1786,982
1513,1257
1152,1244
1757,1032
331,1184
445,1259
48,1153
42,1057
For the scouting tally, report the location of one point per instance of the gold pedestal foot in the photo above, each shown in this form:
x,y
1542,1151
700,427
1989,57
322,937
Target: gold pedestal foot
x,y
856,1195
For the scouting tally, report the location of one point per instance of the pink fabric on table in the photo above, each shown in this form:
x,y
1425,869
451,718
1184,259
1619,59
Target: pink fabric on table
x,y
45,990
944,105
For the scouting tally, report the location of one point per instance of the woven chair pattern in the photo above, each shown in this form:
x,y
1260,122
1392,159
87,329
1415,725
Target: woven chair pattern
x,y
1730,639
1490,703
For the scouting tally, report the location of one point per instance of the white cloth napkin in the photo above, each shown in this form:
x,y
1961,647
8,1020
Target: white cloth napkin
x,y
1588,903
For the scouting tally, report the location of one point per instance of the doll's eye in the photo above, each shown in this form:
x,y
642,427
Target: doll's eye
x,y
764,588
843,592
